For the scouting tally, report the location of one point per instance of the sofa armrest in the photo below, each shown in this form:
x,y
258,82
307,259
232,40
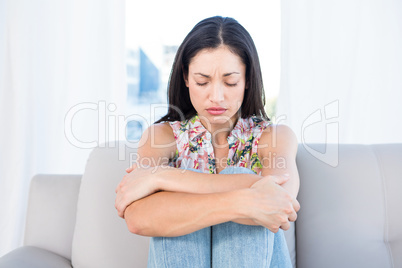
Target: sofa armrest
x,y
33,257
51,214
350,214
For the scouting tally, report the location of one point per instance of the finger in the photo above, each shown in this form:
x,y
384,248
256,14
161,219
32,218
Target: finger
x,y
133,166
117,188
279,179
123,181
285,226
120,209
272,227
119,204
296,205
274,230
120,185
121,213
293,216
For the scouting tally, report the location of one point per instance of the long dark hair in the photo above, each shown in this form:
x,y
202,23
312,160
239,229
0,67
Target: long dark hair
x,y
212,33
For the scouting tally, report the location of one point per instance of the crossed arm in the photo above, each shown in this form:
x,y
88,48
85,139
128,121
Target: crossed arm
x,y
164,201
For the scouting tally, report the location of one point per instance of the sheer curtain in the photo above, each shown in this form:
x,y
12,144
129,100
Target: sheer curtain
x,y
62,70
341,70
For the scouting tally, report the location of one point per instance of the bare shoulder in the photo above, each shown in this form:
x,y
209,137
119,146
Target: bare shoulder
x,y
278,138
157,141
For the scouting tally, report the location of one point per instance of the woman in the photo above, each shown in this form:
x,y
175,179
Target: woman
x,y
215,181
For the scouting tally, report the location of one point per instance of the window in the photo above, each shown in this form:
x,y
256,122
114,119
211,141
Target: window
x,y
155,29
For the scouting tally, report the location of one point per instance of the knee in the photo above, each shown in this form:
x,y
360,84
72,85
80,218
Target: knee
x,y
236,170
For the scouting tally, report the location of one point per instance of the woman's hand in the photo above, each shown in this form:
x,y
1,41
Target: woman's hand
x,y
272,206
140,182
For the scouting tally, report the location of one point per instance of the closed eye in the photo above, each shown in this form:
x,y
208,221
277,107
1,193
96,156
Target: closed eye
x,y
231,85
201,84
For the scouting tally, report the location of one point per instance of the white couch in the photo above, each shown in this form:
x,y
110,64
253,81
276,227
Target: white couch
x,y
351,214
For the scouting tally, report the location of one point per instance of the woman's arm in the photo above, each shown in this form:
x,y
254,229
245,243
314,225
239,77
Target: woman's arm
x,y
176,214
138,185
178,211
277,149
143,181
188,181
151,174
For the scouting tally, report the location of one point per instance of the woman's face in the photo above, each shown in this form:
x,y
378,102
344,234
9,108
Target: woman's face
x,y
216,81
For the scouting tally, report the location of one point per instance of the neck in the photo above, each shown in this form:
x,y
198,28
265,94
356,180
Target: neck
x,y
220,132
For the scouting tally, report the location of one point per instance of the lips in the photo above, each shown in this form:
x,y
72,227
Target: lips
x,y
216,110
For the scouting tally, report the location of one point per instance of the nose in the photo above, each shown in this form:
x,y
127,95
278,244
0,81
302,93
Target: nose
x,y
217,93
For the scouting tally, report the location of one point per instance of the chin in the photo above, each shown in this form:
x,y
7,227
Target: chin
x,y
218,119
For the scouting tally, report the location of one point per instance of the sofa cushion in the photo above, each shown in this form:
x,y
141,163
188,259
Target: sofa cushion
x,y
51,212
350,214
290,236
101,238
33,257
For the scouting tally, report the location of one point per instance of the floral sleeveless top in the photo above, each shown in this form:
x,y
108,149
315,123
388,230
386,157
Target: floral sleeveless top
x,y
195,150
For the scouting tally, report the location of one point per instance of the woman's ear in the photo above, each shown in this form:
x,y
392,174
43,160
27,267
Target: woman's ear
x,y
247,85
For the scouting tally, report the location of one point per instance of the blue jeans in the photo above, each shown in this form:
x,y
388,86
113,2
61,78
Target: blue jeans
x,y
224,245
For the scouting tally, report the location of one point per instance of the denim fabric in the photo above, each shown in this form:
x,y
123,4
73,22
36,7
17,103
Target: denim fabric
x,y
224,245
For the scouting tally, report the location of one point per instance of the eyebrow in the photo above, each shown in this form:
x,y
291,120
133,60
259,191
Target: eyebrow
x,y
226,74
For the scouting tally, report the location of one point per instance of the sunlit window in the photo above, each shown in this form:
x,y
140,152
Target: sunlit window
x,y
155,29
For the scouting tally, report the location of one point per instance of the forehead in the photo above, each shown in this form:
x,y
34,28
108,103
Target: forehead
x,y
213,58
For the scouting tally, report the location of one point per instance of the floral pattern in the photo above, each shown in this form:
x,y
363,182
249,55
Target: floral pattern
x,y
195,150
